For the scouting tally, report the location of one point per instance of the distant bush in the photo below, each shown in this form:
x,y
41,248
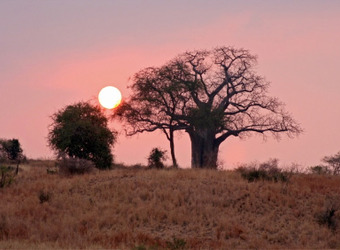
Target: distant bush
x,y
319,169
74,165
156,158
267,171
333,162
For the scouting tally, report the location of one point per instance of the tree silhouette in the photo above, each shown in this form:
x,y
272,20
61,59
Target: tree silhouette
x,y
210,94
12,151
81,131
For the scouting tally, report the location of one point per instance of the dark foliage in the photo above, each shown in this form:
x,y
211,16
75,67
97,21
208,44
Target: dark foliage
x,y
44,196
81,130
329,215
267,171
11,149
333,163
319,169
156,158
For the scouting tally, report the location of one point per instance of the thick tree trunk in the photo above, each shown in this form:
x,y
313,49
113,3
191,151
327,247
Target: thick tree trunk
x,y
172,148
204,149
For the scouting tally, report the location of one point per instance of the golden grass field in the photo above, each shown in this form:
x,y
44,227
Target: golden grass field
x,y
166,209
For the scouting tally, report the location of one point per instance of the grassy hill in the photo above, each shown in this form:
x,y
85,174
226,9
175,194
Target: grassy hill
x,y
168,209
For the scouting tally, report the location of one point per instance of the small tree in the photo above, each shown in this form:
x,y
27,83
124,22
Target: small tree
x,y
11,151
81,130
156,158
333,162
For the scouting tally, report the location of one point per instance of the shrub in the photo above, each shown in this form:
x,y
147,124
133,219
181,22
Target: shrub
x,y
319,169
156,158
74,165
328,216
267,171
333,162
44,196
6,176
176,244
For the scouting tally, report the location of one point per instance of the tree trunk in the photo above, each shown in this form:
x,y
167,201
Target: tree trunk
x,y
204,149
172,148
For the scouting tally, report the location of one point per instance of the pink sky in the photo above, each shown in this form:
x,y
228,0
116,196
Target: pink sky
x,y
55,53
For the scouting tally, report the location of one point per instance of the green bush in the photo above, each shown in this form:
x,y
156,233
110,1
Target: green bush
x,y
81,130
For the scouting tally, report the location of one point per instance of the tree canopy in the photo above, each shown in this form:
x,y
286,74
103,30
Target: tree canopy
x,y
210,94
81,130
11,149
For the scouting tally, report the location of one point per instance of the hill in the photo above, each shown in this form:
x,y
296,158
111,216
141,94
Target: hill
x,y
174,209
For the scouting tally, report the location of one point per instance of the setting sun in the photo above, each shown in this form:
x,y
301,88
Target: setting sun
x,y
110,97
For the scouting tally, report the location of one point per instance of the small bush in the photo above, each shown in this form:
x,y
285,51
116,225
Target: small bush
x,y
267,171
333,162
176,244
44,196
328,216
319,170
156,158
75,166
6,176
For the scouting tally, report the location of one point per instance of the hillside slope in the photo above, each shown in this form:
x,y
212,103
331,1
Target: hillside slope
x,y
142,209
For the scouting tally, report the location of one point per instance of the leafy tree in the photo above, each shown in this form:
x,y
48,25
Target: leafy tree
x,y
11,149
81,130
211,95
333,162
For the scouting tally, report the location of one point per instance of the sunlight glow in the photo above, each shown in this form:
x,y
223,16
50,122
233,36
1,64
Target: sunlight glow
x,y
109,97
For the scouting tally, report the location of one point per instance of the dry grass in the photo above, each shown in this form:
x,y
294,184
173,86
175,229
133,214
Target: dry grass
x,y
128,208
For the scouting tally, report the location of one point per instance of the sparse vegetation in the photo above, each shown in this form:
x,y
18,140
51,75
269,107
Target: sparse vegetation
x,y
73,165
267,171
319,169
329,215
333,162
128,208
6,176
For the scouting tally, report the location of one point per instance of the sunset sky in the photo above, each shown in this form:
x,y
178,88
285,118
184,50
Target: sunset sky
x,y
55,53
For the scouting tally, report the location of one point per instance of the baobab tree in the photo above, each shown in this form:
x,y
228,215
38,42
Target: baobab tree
x,y
211,95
